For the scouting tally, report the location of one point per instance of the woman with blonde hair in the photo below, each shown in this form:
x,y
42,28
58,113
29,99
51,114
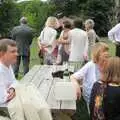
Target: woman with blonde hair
x,y
47,40
90,72
105,95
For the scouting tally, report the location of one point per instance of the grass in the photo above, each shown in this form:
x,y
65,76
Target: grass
x,y
81,112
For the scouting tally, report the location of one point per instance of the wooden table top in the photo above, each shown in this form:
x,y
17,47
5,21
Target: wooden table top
x,y
41,77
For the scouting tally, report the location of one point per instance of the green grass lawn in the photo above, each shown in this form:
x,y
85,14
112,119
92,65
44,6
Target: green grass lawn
x,y
34,59
81,112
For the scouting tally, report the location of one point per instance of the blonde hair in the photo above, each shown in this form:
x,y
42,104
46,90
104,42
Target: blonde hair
x,y
111,72
51,22
90,22
97,49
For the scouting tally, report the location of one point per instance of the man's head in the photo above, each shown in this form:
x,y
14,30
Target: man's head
x,y
77,23
8,51
23,20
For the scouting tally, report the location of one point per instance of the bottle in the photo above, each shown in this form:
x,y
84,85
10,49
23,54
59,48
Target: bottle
x,y
66,75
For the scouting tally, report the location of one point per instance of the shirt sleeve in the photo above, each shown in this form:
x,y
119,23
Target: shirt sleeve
x,y
14,82
3,90
80,74
53,38
111,33
86,44
40,37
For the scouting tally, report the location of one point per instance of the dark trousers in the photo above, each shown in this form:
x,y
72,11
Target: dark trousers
x,y
26,61
4,112
118,50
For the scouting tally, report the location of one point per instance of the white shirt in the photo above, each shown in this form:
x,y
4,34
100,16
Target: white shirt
x,y
78,44
88,74
48,36
114,33
7,80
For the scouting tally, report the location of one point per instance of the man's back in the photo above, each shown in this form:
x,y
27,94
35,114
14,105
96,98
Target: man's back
x,y
23,36
79,40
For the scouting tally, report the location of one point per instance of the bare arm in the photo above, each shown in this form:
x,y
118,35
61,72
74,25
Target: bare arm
x,y
76,85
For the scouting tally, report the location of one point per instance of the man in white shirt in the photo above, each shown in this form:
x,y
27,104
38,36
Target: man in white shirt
x,y
114,36
20,101
8,55
78,43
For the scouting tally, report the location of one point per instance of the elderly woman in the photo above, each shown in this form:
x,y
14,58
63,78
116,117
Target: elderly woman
x,y
105,95
90,72
47,40
89,25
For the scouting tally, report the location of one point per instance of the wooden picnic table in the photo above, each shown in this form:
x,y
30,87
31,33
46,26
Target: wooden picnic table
x,y
41,77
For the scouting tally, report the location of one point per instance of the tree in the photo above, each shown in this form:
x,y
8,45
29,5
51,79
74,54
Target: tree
x,y
8,14
37,13
100,11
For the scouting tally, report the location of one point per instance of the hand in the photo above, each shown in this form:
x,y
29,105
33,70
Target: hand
x,y
78,93
78,90
115,42
11,94
85,56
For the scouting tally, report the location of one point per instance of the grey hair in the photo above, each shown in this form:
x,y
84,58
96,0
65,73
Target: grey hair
x,y
23,20
91,22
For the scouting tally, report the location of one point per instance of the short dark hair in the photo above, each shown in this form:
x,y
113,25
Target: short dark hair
x,y
78,23
67,24
4,43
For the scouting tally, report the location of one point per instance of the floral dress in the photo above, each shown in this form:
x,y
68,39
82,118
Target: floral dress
x,y
96,101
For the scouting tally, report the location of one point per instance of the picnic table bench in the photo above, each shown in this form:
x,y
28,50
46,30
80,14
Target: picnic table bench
x,y
41,77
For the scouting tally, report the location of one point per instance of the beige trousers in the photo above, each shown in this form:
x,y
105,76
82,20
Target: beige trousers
x,y
28,105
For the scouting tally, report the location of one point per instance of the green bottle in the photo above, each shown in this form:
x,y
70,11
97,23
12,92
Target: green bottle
x,y
66,75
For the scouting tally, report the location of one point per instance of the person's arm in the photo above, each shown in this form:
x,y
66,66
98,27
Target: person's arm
x,y
85,54
11,94
52,41
3,93
78,76
13,34
11,89
38,42
39,39
6,94
31,36
111,33
76,84
61,40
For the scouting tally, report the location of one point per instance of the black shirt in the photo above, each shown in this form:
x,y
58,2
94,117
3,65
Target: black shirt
x,y
111,101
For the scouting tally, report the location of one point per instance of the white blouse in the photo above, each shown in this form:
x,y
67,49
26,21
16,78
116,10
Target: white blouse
x,y
88,74
114,33
48,36
7,80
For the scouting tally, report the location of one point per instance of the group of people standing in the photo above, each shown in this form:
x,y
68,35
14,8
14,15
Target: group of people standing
x,y
73,43
100,76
